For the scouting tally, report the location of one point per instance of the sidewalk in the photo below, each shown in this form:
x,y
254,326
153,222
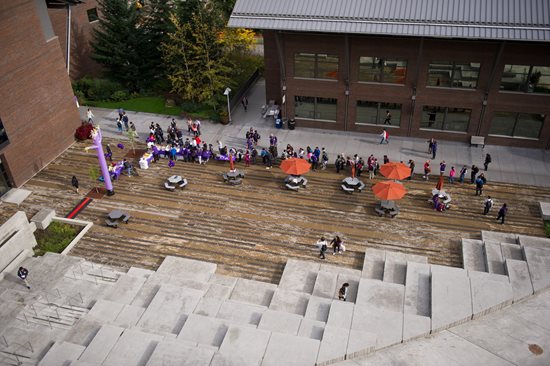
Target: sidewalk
x,y
509,164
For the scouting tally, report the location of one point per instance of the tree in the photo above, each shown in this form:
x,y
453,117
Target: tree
x,y
157,26
94,174
132,139
120,44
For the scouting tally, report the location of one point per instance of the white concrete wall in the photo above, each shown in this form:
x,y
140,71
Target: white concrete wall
x,y
22,241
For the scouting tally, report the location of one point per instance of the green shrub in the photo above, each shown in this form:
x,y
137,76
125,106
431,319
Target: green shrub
x,y
119,95
55,238
547,228
214,116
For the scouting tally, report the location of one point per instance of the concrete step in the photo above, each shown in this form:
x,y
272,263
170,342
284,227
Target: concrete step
x,y
473,255
512,251
299,276
187,268
151,286
534,241
490,292
129,316
373,264
242,346
178,352
51,315
125,289
333,346
494,261
281,322
538,263
239,313
499,237
204,330
62,353
325,285
518,272
169,309
295,302
395,266
290,350
381,295
92,272
387,324
105,311
253,292
417,301
451,297
318,309
101,345
139,272
134,347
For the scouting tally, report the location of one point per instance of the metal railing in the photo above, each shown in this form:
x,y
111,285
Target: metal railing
x,y
15,352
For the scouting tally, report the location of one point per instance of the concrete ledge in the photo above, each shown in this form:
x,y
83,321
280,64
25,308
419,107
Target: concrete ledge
x,y
87,225
488,295
520,280
545,210
451,298
288,350
43,218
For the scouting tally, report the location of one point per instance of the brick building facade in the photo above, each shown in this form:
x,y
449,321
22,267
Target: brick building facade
x,y
38,115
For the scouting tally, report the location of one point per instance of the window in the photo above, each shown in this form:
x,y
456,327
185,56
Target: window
x,y
382,70
445,118
527,125
525,78
92,15
453,75
3,135
315,108
375,113
315,66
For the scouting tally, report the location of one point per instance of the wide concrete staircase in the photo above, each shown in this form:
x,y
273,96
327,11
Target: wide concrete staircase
x,y
82,314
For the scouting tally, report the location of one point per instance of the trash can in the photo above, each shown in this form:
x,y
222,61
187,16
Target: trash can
x,y
278,123
291,124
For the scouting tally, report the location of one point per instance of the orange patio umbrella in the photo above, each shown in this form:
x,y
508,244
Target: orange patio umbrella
x,y
295,166
396,171
389,190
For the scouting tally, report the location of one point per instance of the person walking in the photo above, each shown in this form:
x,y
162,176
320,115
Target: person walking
x,y
502,213
452,174
323,246
487,205
387,121
442,167
125,121
411,166
74,183
109,153
23,273
430,145
463,172
336,244
90,116
384,135
480,182
343,292
427,170
244,102
473,174
488,161
434,149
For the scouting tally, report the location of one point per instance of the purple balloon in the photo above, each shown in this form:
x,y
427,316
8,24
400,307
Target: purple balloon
x,y
171,163
120,146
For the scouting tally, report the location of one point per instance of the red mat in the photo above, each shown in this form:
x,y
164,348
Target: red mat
x,y
81,206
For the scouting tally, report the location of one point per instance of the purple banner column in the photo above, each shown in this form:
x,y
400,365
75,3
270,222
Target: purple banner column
x,y
96,138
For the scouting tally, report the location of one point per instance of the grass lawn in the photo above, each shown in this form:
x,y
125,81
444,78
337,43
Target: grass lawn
x,y
155,105
55,238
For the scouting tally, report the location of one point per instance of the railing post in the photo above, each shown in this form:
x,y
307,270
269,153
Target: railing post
x,y
5,341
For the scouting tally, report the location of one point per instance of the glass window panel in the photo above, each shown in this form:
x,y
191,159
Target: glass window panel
x,y
92,15
540,79
327,66
379,70
432,117
304,65
367,112
503,123
370,69
304,107
465,75
3,134
514,77
326,109
457,119
440,74
453,75
529,125
394,71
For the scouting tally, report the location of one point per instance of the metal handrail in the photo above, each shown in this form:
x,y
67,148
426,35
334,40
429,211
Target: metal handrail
x,y
16,349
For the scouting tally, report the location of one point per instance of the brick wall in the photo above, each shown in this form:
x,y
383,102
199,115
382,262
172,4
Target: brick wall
x,y
36,99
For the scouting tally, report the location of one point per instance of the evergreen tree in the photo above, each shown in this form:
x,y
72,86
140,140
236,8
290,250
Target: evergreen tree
x,y
120,44
157,26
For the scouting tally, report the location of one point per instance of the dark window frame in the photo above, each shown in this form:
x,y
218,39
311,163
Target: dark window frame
x,y
381,116
452,79
4,140
444,121
517,116
381,73
316,66
315,103
92,13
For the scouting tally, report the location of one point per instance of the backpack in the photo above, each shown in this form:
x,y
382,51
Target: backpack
x,y
342,291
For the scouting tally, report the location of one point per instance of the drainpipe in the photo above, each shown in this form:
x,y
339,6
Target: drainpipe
x,y
498,57
346,80
280,56
415,83
68,45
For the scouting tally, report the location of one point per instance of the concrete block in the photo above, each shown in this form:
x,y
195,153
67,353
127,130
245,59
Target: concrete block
x,y
373,264
493,257
139,272
43,218
341,314
325,285
220,292
473,256
405,257
218,279
16,195
125,289
105,311
187,268
489,296
208,306
169,309
353,287
446,270
318,309
417,299
242,346
312,329
534,241
253,292
101,345
129,316
61,353
415,326
290,301
388,324
538,262
499,237
133,348
83,332
333,345
545,210
518,273
360,343
82,363
511,251
174,352
299,276
204,330
278,321
240,313
288,350
451,299
394,272
383,295
488,276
